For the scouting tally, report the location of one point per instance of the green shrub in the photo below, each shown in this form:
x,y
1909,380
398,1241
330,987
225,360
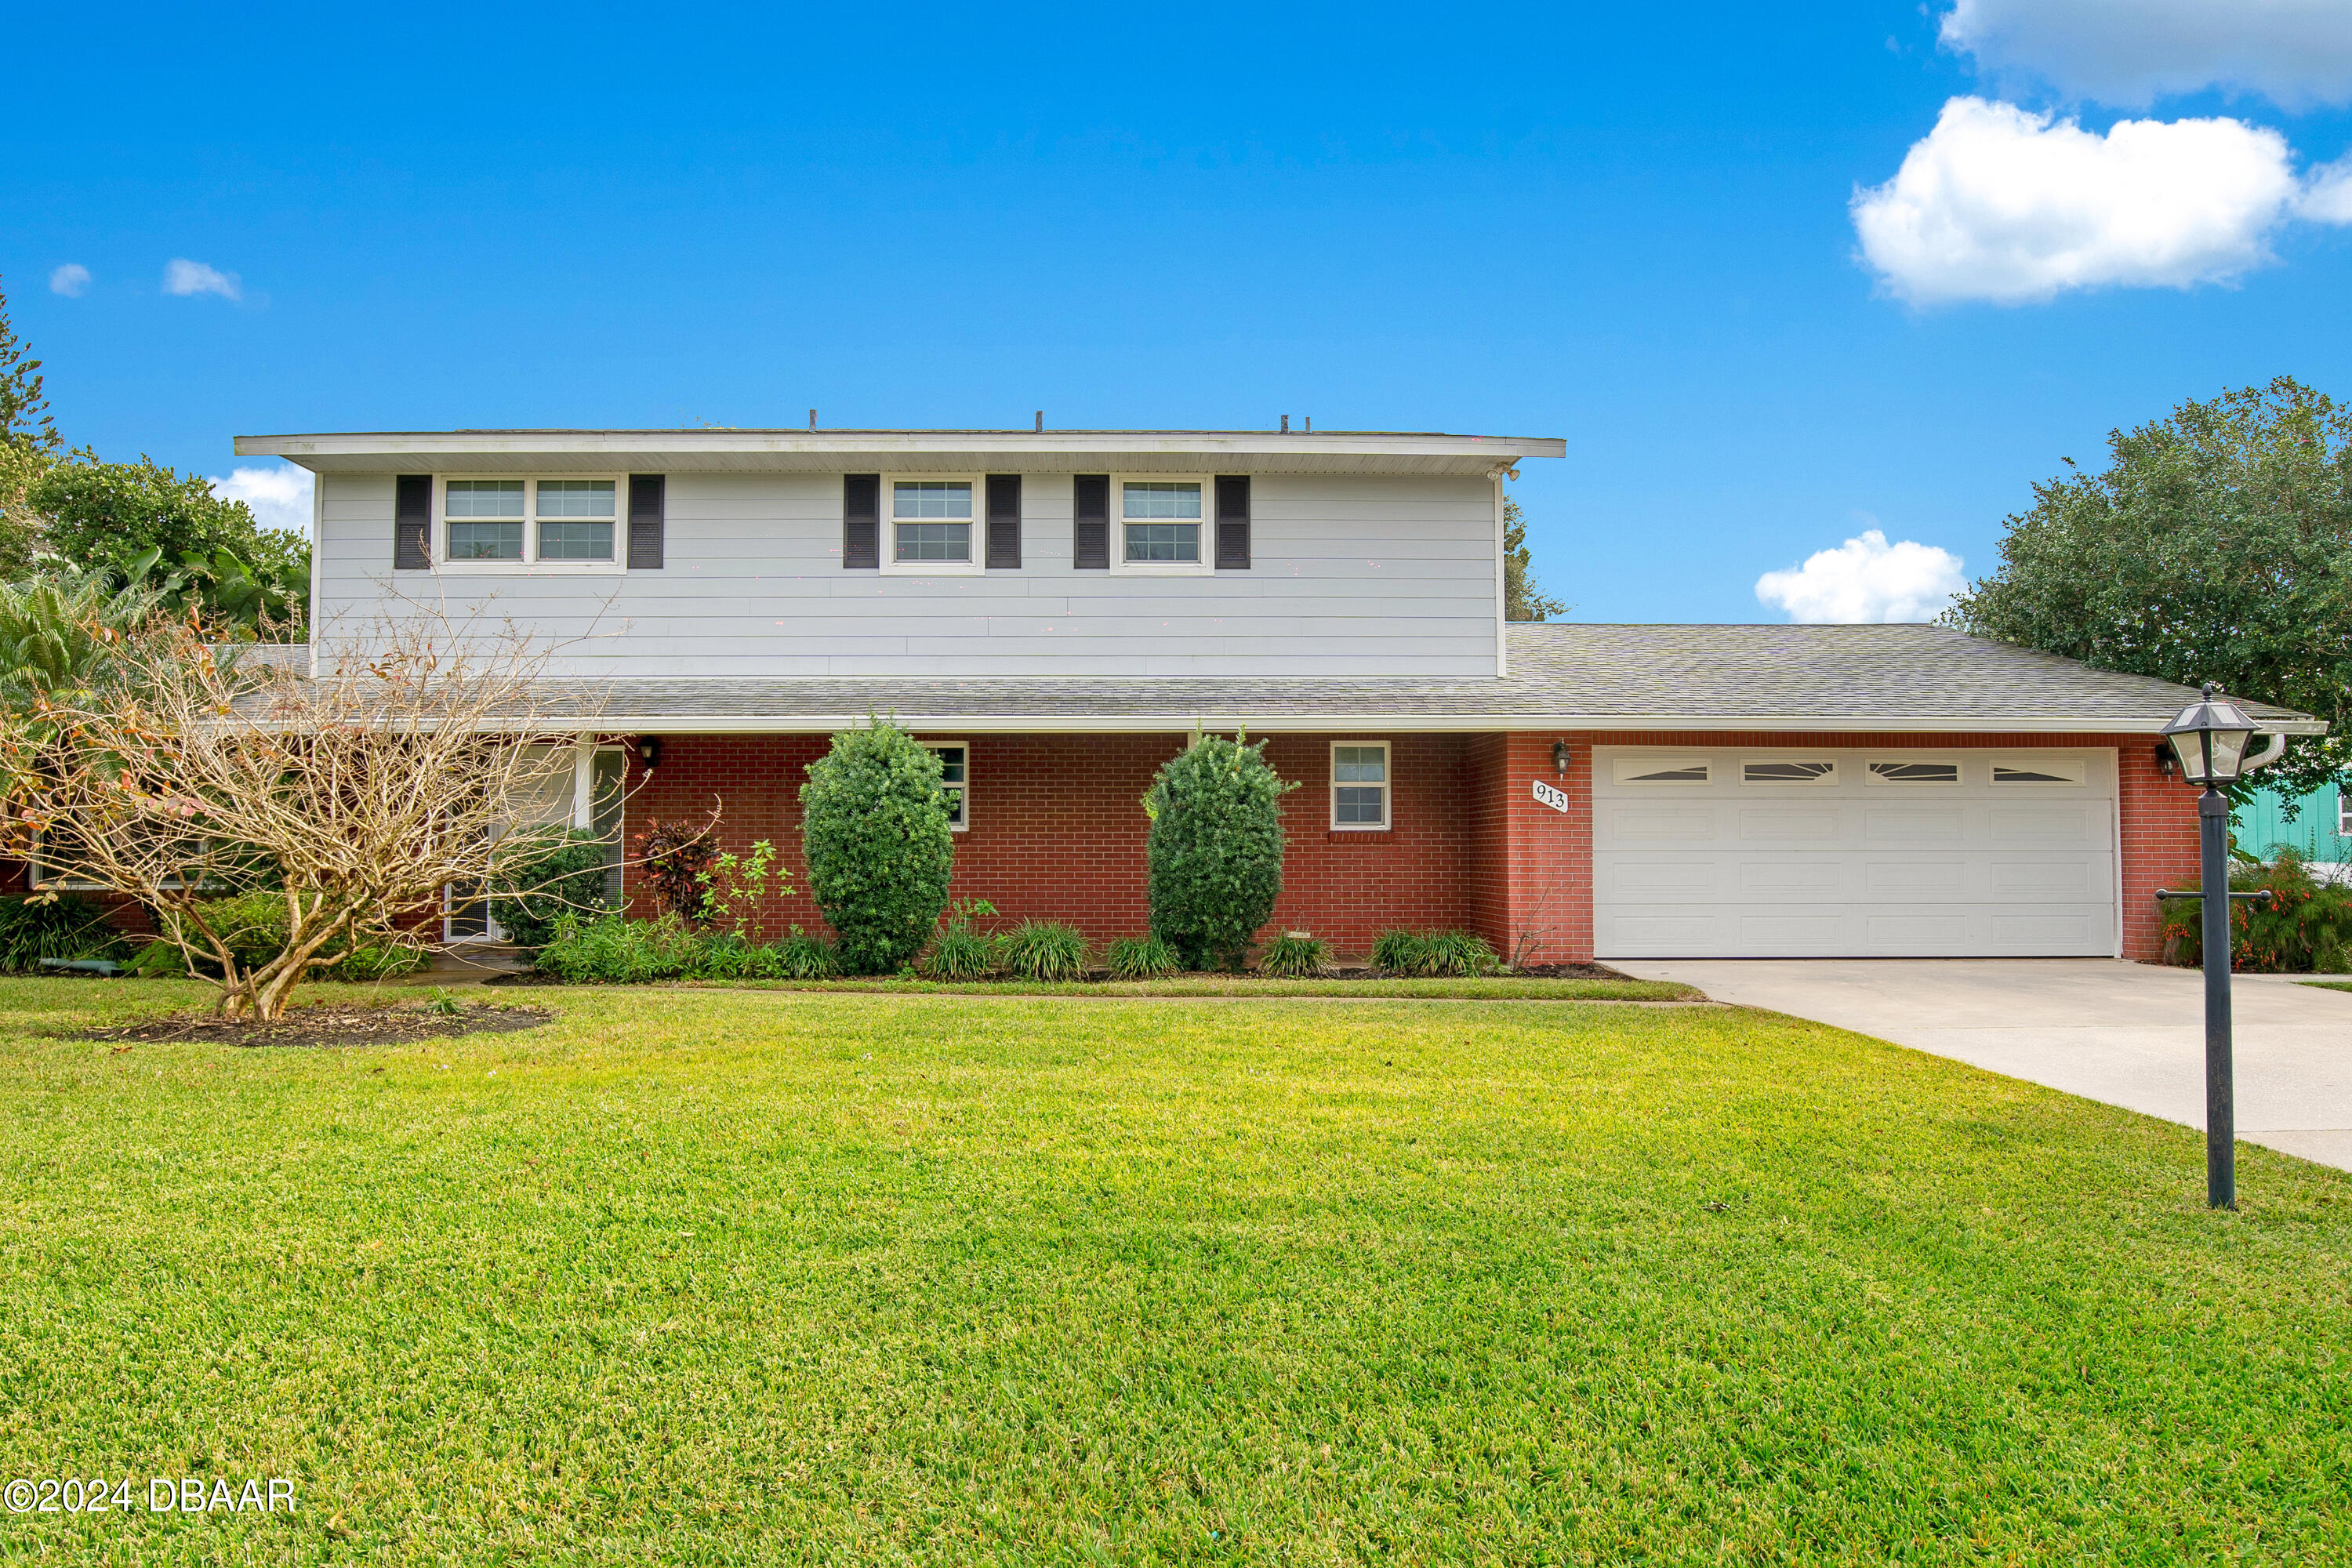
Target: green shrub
x,y
252,925
799,956
1461,953
611,949
1214,850
960,952
566,878
1043,949
1400,951
63,925
1430,954
2305,928
1143,958
1295,955
615,950
874,833
735,887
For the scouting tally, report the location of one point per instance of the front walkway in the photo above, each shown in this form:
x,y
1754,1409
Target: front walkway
x,y
2130,1034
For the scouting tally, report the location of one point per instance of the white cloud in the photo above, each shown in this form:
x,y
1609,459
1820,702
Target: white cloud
x,y
2293,52
69,279
2328,194
280,497
1998,202
1865,579
183,276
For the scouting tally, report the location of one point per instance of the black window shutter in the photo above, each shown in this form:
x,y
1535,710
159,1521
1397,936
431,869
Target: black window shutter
x,y
1090,523
1004,521
861,520
411,522
1232,522
649,516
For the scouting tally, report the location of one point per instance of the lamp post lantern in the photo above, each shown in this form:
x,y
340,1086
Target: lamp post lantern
x,y
2210,738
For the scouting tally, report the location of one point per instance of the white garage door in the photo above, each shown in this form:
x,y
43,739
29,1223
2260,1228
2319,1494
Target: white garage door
x,y
1783,854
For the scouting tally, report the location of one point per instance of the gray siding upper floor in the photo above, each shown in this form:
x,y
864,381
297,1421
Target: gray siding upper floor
x,y
1350,576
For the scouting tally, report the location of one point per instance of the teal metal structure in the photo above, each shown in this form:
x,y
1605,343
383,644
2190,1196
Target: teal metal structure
x,y
2318,833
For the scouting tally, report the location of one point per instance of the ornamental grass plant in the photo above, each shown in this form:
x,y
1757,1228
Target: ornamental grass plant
x,y
1043,949
1141,958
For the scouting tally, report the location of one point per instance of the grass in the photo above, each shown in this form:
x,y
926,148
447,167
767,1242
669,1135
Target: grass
x,y
705,1275
2328,984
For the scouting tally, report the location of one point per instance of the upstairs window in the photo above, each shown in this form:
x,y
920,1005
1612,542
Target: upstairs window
x,y
484,519
575,520
1359,786
1160,525
566,523
930,521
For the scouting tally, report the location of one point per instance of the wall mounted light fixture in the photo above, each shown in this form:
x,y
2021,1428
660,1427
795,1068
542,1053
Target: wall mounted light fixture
x,y
648,751
1559,757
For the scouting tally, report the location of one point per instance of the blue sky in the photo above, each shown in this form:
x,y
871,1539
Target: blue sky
x,y
1634,231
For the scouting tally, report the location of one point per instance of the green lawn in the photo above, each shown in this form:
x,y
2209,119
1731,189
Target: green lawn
x,y
698,1276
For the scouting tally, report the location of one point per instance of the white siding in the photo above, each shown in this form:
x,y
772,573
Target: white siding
x,y
1350,575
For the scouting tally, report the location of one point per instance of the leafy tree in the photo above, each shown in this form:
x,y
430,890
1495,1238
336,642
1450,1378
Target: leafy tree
x,y
30,444
135,518
1523,598
1215,848
2215,545
879,850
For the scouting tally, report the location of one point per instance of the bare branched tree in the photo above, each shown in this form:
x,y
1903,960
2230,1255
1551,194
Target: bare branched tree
x,y
358,796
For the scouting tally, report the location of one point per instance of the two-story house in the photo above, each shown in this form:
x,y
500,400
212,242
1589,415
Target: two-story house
x,y
1056,611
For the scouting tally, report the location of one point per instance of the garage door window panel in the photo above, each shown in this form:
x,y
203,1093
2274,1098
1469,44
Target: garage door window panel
x,y
1802,773
1666,771
2063,772
1908,774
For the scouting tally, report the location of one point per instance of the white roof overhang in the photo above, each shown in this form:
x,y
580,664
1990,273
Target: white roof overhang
x,y
944,451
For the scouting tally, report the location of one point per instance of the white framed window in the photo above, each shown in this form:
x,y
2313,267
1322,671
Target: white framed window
x,y
2045,770
1161,524
1359,786
955,780
2343,812
1661,770
1913,773
505,523
930,523
1804,772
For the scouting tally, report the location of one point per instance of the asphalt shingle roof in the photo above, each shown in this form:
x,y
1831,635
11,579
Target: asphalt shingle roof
x,y
1563,676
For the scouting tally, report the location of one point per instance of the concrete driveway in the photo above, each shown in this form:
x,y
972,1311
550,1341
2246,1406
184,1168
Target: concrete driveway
x,y
2130,1034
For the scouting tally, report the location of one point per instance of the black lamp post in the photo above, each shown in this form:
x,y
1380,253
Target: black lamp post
x,y
2210,738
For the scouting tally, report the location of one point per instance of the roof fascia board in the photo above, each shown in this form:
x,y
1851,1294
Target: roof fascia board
x,y
339,450
1184,723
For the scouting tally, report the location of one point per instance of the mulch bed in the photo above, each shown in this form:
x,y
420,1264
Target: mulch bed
x,y
332,1025
1571,971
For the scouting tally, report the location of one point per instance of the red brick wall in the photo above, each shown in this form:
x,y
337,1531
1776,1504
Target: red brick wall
x,y
1058,828
1057,833
2159,836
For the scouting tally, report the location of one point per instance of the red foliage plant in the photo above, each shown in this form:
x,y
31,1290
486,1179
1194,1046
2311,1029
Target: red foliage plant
x,y
673,858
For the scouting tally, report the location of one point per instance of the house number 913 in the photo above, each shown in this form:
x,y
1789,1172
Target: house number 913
x,y
1554,798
